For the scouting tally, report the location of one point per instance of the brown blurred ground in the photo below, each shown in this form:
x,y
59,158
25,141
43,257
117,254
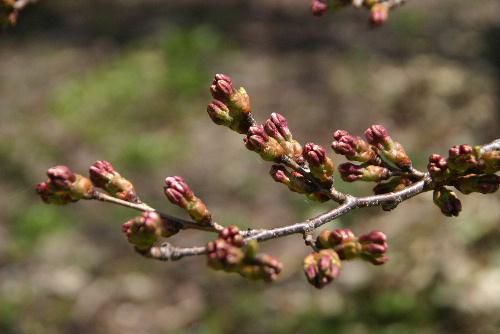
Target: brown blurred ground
x,y
127,81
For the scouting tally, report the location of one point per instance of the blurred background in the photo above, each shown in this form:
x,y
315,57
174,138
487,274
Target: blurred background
x,y
127,81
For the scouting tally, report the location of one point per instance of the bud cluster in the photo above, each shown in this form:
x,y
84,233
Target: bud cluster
x,y
338,245
379,9
179,193
145,230
230,253
466,169
230,107
379,156
63,186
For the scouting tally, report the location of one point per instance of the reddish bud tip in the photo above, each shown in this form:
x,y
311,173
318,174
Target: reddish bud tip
x,y
319,7
379,14
61,176
314,154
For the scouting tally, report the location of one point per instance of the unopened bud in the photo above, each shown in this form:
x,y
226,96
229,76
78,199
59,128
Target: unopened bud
x,y
462,159
237,100
277,127
263,267
103,175
322,267
447,201
295,181
232,235
144,231
351,172
322,167
319,7
179,193
343,241
224,256
259,141
484,184
353,148
438,168
393,151
379,13
63,186
374,247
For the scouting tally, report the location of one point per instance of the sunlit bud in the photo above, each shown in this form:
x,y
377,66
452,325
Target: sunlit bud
x,y
484,184
63,186
277,127
224,256
293,180
447,201
379,13
319,7
462,159
393,151
237,100
219,113
322,167
374,247
393,185
103,175
350,172
438,168
257,140
144,231
353,148
490,162
232,235
179,193
343,241
322,267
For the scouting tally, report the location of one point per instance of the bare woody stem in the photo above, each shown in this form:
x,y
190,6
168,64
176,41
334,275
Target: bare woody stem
x,y
168,252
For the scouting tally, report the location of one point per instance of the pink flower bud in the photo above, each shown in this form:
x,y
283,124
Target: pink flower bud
x,y
447,201
223,256
145,230
277,127
222,87
319,7
462,159
179,193
322,267
379,13
232,235
257,140
103,175
438,168
350,172
61,177
314,154
353,148
219,113
343,241
374,247
393,151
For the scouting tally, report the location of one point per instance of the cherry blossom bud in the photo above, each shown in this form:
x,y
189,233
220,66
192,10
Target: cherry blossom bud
x,y
219,113
350,172
322,167
237,100
103,175
63,186
490,162
462,159
224,256
319,7
257,140
393,151
232,235
295,181
322,267
484,184
438,168
374,247
179,193
353,148
277,127
144,231
343,241
447,201
379,13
